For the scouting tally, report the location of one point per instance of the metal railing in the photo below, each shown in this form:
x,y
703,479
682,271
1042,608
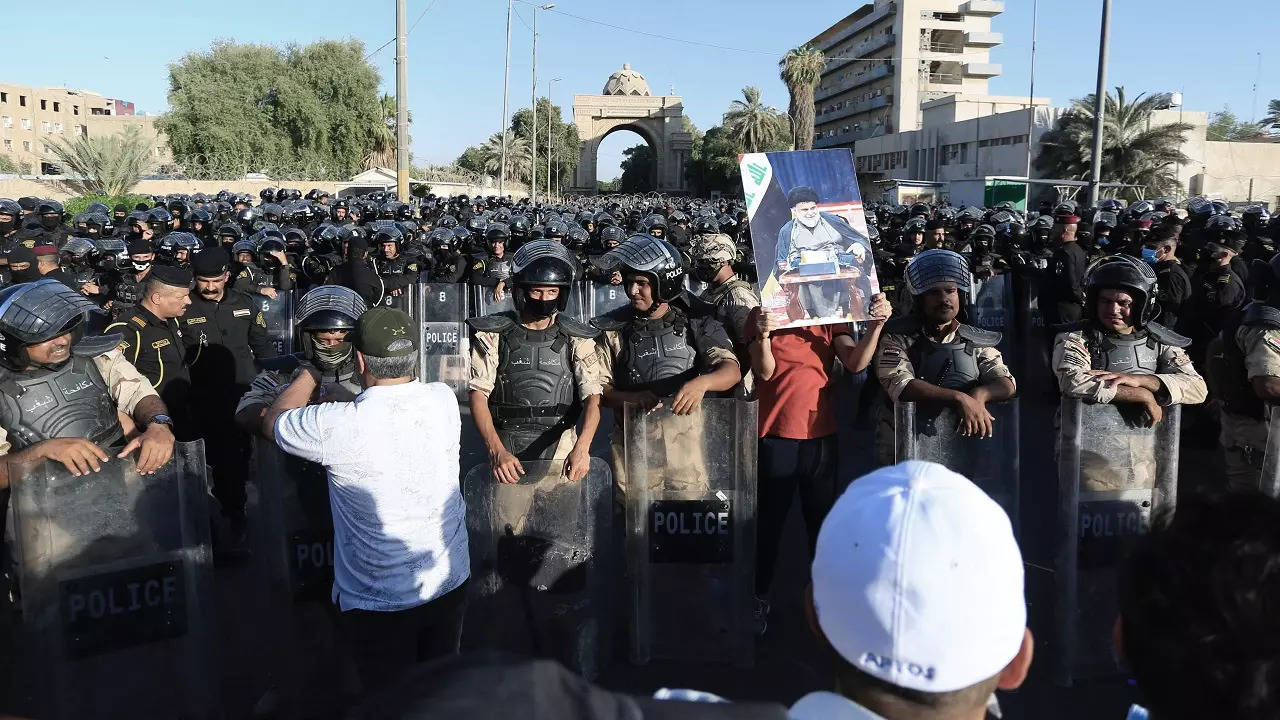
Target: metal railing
x,y
946,78
856,81
944,47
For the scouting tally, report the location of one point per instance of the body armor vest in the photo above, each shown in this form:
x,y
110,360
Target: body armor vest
x,y
657,355
534,399
127,290
72,401
499,268
1226,370
1136,354
719,293
952,365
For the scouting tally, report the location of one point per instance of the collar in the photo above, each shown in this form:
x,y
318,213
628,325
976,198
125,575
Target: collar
x,y
150,317
829,706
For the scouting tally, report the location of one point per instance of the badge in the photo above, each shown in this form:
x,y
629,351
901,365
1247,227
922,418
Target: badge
x,y
160,344
241,313
140,322
195,320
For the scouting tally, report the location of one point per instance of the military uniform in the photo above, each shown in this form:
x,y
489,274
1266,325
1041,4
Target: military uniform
x,y
660,355
155,348
535,381
963,359
1251,348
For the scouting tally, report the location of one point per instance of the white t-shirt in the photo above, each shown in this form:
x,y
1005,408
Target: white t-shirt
x,y
399,521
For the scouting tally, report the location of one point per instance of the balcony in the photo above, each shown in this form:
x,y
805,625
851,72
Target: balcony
x,y
855,109
981,70
862,50
942,78
884,70
983,39
938,46
834,141
982,8
858,26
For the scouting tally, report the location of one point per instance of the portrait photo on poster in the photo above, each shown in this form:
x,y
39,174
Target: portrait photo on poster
x,y
809,234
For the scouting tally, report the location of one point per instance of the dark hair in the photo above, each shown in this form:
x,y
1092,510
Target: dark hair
x,y
1162,233
1200,609
864,688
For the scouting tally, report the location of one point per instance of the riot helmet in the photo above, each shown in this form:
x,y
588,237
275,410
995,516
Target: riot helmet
x,y
542,263
656,259
36,312
1122,272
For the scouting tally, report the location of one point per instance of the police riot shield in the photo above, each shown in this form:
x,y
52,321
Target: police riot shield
x,y
1269,482
115,572
992,308
1113,475
278,314
929,431
443,344
483,302
604,298
539,563
405,299
690,496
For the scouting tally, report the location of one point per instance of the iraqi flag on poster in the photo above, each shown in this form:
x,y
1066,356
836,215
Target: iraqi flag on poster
x,y
812,250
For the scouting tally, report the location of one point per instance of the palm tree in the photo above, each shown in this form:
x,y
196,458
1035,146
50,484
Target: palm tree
x,y
752,124
108,165
1134,152
383,136
519,156
801,69
1272,119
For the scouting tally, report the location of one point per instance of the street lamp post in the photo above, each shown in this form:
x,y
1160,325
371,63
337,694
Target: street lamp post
x,y
506,90
549,124
533,166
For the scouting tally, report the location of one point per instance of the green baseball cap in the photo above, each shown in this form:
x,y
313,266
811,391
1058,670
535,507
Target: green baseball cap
x,y
385,332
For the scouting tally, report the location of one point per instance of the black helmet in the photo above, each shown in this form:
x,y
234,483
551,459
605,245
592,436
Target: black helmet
x,y
1122,272
267,194
34,312
611,236
655,225
555,230
647,255
543,262
497,232
329,307
447,221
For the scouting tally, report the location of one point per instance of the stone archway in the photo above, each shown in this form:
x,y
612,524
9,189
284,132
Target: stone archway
x,y
627,104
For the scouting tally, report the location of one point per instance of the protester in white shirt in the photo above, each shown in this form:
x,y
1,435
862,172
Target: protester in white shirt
x,y
917,589
400,538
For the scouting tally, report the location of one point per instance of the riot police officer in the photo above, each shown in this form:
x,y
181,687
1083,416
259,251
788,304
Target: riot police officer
x,y
1118,354
1173,287
492,271
732,297
224,333
535,371
1066,270
397,271
931,355
153,341
62,392
448,265
665,348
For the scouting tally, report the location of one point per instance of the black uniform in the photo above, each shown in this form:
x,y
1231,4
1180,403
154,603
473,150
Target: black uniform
x,y
449,267
1067,269
1216,293
155,348
1173,289
360,276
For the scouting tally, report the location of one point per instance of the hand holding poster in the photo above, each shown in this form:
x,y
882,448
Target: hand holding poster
x,y
810,236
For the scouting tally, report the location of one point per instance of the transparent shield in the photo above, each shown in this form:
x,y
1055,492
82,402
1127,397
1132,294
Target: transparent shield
x,y
443,345
406,301
924,431
539,568
690,500
1269,482
604,298
278,314
1113,474
115,571
992,307
484,300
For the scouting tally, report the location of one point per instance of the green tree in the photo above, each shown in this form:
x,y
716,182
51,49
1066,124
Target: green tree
x,y
77,204
713,163
471,159
383,134
801,69
1272,119
565,147
752,124
637,169
1226,127
9,165
291,111
109,165
1133,151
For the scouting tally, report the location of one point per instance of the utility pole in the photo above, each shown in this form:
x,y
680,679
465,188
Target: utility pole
x,y
1099,105
1031,93
533,137
550,123
506,91
402,106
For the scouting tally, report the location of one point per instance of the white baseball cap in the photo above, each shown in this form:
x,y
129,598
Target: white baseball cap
x,y
917,579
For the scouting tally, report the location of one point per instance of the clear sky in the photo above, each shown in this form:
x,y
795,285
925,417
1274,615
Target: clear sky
x,y
456,51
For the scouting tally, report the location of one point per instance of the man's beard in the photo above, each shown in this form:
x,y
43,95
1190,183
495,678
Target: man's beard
x,y
809,222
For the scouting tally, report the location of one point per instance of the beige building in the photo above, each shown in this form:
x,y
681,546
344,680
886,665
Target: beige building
x,y
31,117
889,57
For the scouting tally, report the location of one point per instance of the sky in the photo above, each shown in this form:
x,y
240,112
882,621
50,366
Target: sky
x,y
706,51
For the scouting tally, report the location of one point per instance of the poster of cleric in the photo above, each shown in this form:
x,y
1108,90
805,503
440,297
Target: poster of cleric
x,y
810,236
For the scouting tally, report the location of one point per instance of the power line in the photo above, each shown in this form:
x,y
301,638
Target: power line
x,y
654,35
408,33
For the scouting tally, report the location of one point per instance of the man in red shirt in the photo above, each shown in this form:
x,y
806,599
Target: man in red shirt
x,y
798,421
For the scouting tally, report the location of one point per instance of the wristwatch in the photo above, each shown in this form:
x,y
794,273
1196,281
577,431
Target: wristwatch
x,y
161,420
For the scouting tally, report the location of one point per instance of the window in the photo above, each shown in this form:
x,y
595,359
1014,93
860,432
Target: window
x,y
8,144
43,104
4,97
45,147
44,126
80,130
57,106
26,123
6,121
22,100
26,146
57,127
75,109
97,111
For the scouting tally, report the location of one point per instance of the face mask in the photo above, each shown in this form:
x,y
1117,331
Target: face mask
x,y
1150,256
30,274
50,222
809,222
7,226
140,266
540,309
329,357
706,271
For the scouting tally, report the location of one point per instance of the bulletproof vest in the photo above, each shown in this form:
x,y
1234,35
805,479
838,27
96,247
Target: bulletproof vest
x,y
534,399
394,266
1226,368
657,355
128,289
1136,354
499,268
72,401
718,293
340,385
258,276
952,365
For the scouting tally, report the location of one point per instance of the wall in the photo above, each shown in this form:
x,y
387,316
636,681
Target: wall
x,y
1228,168
13,187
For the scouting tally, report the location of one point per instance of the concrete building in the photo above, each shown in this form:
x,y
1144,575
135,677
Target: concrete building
x,y
30,117
890,56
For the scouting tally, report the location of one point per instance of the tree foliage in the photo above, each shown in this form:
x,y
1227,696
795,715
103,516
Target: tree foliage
x,y
713,160
565,148
1133,150
753,125
260,106
77,204
9,165
1271,121
801,69
110,165
1225,126
637,169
